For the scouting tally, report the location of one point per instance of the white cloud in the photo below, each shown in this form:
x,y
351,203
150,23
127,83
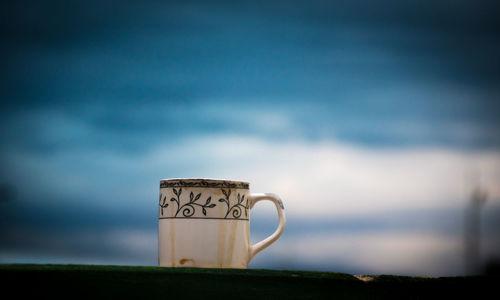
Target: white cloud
x,y
325,179
334,179
404,253
314,179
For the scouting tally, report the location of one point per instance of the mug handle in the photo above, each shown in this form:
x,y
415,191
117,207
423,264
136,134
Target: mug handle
x,y
254,198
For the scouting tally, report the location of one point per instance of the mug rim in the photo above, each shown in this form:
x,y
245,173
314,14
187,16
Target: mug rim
x,y
216,180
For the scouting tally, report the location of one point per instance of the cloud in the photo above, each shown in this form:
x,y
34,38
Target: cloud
x,y
392,252
349,208
102,246
323,178
331,179
354,61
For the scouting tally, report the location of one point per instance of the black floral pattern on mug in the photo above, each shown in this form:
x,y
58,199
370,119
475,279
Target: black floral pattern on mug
x,y
186,208
236,208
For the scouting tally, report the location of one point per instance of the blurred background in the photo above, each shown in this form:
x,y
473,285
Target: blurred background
x,y
377,122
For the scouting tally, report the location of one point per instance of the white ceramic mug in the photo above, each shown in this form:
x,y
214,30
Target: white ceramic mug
x,y
206,223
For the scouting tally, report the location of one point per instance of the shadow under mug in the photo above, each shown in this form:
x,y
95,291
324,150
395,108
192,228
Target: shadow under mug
x,y
206,223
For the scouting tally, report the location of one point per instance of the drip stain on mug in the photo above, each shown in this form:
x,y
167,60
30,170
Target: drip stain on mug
x,y
221,244
187,260
230,248
172,241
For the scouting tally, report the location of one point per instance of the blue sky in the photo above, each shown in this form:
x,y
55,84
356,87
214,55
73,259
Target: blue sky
x,y
387,112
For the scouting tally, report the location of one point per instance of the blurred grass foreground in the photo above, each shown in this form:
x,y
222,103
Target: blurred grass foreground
x,y
147,282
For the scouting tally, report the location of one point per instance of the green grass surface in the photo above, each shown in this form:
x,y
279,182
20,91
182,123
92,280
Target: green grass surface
x,y
118,282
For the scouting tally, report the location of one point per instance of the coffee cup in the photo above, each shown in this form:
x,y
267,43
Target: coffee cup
x,y
206,223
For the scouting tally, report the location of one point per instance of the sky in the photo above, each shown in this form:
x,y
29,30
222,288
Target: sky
x,y
373,121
